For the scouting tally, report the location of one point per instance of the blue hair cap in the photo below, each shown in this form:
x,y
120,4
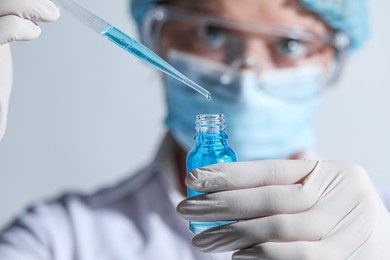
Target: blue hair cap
x,y
139,8
348,16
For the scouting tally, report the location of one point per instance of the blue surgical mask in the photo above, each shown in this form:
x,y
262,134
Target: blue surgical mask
x,y
261,124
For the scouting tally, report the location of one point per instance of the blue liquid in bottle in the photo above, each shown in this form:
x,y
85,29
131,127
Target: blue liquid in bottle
x,y
211,147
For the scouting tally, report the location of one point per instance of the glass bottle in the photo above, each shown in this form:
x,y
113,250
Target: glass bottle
x,y
211,147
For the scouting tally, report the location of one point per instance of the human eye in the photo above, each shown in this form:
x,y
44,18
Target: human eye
x,y
291,48
212,35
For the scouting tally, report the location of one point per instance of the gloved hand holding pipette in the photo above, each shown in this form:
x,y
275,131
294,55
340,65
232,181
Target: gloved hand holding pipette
x,y
18,21
19,18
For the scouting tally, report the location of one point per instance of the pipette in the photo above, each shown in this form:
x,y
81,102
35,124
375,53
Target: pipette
x,y
127,43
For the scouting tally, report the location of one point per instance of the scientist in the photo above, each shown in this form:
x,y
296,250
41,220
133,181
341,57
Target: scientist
x,y
267,64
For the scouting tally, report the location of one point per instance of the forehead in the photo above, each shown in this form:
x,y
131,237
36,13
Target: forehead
x,y
286,13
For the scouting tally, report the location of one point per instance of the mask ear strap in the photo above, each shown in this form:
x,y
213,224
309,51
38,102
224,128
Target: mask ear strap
x,y
234,68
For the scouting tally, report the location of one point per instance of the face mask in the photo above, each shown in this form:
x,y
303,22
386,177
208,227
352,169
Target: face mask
x,y
260,125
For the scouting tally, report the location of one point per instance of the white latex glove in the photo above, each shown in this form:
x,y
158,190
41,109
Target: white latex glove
x,y
19,18
289,210
5,85
18,21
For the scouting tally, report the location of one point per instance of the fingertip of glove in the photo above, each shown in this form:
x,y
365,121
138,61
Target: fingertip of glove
x,y
54,12
198,243
197,179
191,177
49,12
179,209
29,31
40,11
207,181
18,29
205,241
182,210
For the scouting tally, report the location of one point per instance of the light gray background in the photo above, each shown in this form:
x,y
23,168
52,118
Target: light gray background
x,y
84,114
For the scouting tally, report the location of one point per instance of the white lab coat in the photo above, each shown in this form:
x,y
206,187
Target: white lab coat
x,y
133,220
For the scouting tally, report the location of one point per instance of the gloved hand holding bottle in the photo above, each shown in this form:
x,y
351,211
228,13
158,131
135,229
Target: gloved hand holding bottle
x,y
18,22
289,210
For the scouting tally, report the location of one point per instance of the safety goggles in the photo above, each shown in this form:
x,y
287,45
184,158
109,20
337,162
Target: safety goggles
x,y
226,41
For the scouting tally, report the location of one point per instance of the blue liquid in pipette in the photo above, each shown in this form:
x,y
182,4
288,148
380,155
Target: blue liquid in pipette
x,y
137,49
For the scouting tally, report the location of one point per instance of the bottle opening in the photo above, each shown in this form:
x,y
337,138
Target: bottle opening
x,y
210,123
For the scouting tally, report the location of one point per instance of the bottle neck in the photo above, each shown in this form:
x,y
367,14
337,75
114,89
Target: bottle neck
x,y
210,129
